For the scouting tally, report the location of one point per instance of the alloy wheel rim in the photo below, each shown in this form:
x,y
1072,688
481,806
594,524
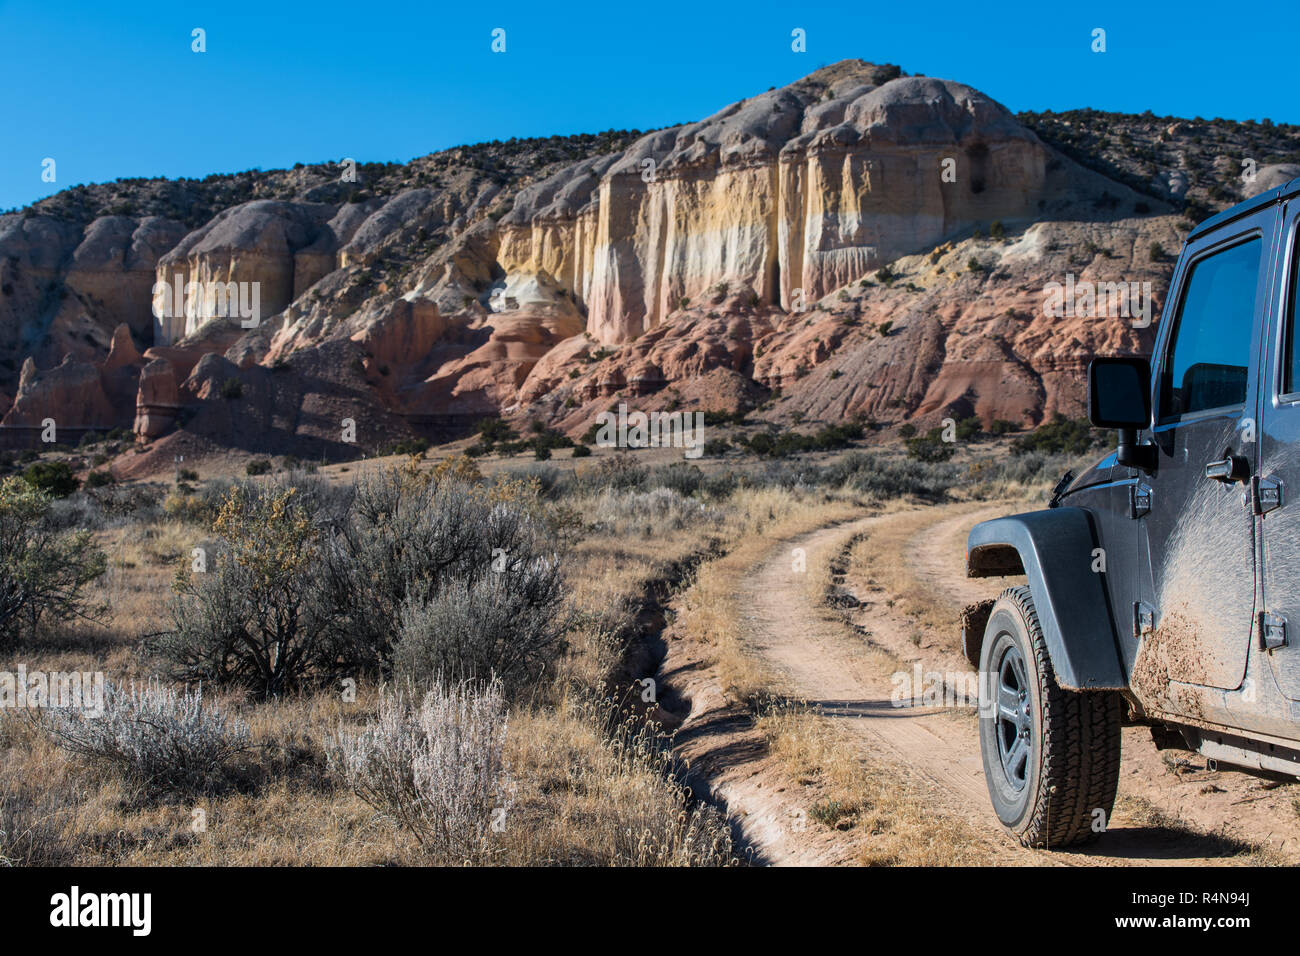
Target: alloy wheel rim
x,y
1013,726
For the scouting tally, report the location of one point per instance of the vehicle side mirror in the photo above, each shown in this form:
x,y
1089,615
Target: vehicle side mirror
x,y
1119,396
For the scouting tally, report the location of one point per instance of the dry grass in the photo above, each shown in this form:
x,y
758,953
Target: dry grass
x,y
890,815
586,797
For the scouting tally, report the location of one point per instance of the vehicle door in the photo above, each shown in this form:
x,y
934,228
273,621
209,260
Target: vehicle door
x,y
1194,620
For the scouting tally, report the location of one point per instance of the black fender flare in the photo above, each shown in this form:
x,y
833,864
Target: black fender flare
x,y
1054,550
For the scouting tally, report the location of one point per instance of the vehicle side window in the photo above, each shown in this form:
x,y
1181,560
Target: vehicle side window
x,y
1208,361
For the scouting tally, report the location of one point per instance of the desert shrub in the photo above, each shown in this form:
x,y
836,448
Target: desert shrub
x,y
158,739
212,494
581,451
681,477
99,479
650,512
44,572
1025,469
305,583
198,506
779,445
718,417
506,624
232,388
549,438
621,472
461,468
259,615
969,428
258,466
494,430
929,448
891,477
550,482
1060,435
55,478
408,446
719,485
438,769
411,537
187,507
111,505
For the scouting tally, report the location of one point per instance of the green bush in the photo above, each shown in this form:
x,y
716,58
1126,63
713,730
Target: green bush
x,y
54,478
713,419
258,615
493,430
930,448
581,451
43,572
1060,435
408,446
969,428
829,438
98,479
258,466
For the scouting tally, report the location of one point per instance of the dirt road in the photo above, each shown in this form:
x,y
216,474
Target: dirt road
x,y
889,578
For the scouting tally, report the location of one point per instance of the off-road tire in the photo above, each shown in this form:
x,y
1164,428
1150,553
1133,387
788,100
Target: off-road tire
x,y
1070,773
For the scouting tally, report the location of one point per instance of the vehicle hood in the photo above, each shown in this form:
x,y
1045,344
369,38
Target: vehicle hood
x,y
1097,474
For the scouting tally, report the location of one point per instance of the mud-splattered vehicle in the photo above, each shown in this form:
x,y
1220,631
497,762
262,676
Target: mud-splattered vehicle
x,y
1162,582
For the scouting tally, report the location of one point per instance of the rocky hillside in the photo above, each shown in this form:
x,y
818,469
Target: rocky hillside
x,y
859,243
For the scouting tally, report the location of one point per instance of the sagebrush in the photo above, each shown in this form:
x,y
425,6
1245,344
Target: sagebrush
x,y
437,768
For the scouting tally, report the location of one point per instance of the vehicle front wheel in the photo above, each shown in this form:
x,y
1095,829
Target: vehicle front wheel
x,y
1051,756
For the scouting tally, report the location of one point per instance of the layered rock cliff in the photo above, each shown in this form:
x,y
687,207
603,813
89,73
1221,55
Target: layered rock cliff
x,y
794,193
828,241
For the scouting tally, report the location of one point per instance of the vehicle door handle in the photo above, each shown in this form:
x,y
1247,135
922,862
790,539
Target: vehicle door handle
x,y
1230,469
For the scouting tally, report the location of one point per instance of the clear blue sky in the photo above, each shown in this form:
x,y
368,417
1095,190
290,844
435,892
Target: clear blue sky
x,y
109,89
